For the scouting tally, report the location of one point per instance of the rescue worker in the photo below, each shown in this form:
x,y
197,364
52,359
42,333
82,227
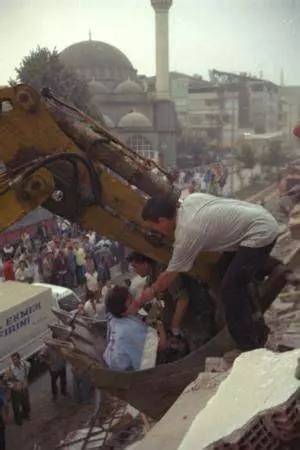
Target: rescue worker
x,y
146,267
188,312
245,232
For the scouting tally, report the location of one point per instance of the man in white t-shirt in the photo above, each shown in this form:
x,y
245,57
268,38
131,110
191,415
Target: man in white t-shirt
x,y
214,224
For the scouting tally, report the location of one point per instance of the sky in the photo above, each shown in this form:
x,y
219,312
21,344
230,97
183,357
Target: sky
x,y
232,35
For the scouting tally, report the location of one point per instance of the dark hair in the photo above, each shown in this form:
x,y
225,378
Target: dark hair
x,y
139,258
160,206
116,300
15,354
127,282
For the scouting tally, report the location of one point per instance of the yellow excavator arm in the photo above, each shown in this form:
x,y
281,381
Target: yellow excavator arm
x,y
53,155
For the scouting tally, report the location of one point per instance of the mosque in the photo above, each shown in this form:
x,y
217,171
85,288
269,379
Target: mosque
x,y
142,115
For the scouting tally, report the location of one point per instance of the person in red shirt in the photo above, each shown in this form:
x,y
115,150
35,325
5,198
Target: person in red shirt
x,y
8,270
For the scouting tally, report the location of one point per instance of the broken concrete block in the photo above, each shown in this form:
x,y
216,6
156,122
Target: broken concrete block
x,y
231,356
293,328
216,365
290,341
280,307
294,222
254,406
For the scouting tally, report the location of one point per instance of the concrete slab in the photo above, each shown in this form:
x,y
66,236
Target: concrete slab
x,y
260,389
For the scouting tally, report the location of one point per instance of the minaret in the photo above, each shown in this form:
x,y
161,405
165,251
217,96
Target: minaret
x,y
161,8
281,77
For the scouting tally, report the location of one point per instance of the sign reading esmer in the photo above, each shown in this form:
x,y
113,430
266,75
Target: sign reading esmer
x,y
25,313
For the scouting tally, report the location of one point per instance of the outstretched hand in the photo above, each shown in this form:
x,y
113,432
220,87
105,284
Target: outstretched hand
x,y
146,295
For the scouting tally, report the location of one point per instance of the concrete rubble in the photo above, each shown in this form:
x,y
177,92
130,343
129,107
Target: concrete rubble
x,y
294,222
216,365
255,407
283,319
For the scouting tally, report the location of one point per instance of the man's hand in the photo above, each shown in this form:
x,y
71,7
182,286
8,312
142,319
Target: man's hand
x,y
146,295
161,284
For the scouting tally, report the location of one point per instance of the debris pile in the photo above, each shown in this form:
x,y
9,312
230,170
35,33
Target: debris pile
x,y
294,222
261,416
253,405
283,319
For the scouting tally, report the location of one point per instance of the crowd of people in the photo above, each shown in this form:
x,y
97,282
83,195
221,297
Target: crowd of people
x,y
210,179
67,258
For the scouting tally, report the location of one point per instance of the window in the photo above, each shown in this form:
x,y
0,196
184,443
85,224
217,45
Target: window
x,y
211,102
196,119
143,146
227,118
6,106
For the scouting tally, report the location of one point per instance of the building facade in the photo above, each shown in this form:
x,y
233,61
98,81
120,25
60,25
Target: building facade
x,y
290,113
143,118
225,108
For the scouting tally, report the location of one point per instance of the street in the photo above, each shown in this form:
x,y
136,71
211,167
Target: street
x,y
50,421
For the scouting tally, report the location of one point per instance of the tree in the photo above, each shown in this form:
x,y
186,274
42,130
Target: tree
x,y
246,156
43,68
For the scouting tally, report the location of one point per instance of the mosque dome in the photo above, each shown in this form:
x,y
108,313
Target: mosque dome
x,y
128,87
97,88
98,60
135,119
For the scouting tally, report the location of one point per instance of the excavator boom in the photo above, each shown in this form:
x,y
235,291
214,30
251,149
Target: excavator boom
x,y
52,154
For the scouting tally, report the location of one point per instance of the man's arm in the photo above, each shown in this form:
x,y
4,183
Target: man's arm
x,y
164,280
186,248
